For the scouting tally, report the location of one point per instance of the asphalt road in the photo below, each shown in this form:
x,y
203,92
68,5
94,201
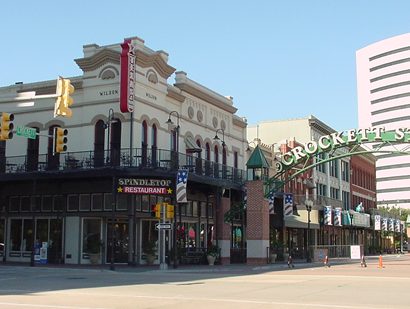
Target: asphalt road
x,y
343,285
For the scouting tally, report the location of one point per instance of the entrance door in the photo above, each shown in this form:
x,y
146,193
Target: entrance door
x,y
120,241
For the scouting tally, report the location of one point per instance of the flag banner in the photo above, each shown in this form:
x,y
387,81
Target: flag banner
x,y
182,178
377,222
271,198
397,225
391,224
288,204
327,214
384,224
337,219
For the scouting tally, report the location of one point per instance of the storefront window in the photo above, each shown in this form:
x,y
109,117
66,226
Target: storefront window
x,y
42,230
1,237
149,236
28,234
15,234
91,235
236,237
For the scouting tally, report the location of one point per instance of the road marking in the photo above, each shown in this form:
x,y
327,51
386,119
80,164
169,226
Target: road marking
x,y
25,305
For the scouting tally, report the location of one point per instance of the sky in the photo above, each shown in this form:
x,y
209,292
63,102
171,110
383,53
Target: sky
x,y
277,59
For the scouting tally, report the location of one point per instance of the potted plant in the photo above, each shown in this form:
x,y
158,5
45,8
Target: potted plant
x,y
150,251
211,254
94,246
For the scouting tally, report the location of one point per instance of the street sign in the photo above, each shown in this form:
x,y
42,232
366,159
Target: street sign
x,y
163,226
26,132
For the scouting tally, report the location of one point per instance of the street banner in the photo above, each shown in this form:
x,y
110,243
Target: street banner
x,y
397,225
377,222
327,215
384,224
182,178
271,197
288,204
337,219
391,224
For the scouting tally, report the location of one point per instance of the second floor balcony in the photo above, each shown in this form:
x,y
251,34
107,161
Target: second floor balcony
x,y
141,158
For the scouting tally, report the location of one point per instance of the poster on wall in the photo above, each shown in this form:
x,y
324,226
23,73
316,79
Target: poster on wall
x,y
355,253
327,215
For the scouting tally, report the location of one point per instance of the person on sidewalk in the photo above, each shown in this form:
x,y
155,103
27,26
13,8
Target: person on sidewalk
x,y
363,262
326,261
290,262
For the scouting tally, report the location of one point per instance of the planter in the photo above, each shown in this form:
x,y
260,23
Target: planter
x,y
94,258
273,258
150,259
211,259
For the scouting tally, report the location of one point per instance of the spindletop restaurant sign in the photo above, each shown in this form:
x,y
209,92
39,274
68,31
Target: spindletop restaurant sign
x,y
144,186
341,139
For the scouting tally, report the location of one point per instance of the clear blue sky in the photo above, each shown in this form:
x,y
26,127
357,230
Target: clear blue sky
x,y
278,59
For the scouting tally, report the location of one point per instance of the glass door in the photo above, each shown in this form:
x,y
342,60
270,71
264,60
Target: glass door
x,y
120,242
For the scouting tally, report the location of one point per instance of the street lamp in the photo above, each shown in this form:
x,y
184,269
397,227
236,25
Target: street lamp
x,y
351,228
107,126
223,136
176,149
308,205
176,129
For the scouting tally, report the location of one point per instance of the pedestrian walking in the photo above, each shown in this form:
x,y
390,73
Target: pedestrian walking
x,y
363,262
290,262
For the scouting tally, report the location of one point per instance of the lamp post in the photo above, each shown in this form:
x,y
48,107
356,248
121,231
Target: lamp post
x,y
308,205
176,149
351,228
223,136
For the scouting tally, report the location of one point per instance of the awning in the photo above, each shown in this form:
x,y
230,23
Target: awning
x,y
191,146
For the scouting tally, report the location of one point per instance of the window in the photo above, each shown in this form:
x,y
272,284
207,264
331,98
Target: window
x,y
345,171
58,203
84,202
207,152
107,201
73,203
99,135
122,201
346,200
321,167
25,204
321,189
91,235
46,203
334,168
96,201
334,193
14,204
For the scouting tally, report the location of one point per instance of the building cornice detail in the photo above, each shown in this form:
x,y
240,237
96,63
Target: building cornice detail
x,y
207,95
175,94
156,61
98,59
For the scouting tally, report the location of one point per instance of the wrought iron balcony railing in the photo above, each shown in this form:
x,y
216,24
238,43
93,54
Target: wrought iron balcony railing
x,y
151,158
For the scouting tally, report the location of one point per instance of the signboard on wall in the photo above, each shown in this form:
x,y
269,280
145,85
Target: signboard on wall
x,y
144,186
127,77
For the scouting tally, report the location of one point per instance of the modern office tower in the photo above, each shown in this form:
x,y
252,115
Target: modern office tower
x,y
383,86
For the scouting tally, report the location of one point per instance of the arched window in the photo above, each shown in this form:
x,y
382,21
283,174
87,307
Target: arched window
x,y
53,159
115,142
216,154
99,143
144,143
33,152
223,155
154,132
207,152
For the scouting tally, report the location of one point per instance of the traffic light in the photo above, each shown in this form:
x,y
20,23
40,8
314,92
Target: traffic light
x,y
64,100
60,140
6,129
170,211
153,210
158,211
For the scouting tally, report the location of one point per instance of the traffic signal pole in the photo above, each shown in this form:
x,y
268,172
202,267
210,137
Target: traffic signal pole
x,y
163,265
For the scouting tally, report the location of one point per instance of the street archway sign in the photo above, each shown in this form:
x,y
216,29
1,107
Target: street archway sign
x,y
352,139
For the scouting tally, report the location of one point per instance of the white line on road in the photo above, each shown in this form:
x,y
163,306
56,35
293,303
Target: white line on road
x,y
25,305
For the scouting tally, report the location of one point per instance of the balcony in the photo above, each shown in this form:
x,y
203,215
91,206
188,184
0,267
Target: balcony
x,y
141,158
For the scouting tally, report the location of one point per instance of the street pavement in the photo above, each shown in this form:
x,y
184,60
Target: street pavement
x,y
309,285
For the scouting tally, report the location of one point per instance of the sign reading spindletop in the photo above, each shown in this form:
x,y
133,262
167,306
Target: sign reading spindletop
x,y
127,77
144,186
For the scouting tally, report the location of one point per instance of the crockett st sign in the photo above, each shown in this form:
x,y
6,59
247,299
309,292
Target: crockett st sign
x,y
341,139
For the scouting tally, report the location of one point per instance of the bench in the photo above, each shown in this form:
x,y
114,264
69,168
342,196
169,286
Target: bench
x,y
192,257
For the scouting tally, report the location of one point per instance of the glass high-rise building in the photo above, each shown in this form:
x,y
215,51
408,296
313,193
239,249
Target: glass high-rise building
x,y
383,85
